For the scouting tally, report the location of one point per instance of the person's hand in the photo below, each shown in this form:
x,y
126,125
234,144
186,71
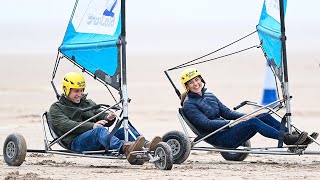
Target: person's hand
x,y
111,116
251,116
99,123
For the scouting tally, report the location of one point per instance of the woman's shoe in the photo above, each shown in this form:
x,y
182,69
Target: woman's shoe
x,y
308,141
295,138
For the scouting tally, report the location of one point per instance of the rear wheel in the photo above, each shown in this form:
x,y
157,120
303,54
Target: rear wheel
x,y
164,153
137,162
14,149
236,156
180,145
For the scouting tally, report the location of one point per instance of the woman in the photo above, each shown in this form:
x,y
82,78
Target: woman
x,y
207,114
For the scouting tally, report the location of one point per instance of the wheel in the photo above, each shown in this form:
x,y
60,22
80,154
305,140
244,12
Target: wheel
x,y
14,149
137,162
180,145
163,151
236,156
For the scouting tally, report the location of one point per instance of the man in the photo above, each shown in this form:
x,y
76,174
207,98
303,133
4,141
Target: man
x,y
91,135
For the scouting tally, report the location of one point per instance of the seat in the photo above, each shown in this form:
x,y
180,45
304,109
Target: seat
x,y
53,134
195,130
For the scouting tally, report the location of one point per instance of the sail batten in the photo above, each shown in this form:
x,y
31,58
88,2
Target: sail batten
x,y
89,46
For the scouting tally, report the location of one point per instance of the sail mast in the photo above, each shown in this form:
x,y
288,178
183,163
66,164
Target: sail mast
x,y
124,89
284,64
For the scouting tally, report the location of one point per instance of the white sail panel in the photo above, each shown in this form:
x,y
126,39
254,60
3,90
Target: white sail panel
x,y
96,16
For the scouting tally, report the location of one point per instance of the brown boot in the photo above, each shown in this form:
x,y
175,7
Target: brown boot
x,y
295,138
152,145
128,147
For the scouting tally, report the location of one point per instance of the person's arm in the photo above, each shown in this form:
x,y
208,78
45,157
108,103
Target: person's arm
x,y
227,113
108,117
62,123
200,120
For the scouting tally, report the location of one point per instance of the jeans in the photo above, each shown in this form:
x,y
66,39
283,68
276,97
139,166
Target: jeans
x,y
235,136
96,139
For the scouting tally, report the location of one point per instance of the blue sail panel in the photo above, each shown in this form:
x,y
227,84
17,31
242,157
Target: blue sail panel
x,y
92,38
269,31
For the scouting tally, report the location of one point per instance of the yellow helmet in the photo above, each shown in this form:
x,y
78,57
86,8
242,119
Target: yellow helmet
x,y
189,74
72,80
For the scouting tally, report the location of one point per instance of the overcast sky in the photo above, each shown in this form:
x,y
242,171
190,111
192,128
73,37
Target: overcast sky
x,y
38,26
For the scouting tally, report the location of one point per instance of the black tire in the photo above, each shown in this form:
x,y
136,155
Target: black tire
x,y
236,156
180,145
163,151
14,149
137,162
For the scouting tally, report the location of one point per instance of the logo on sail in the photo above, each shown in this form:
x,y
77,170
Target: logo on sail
x,y
107,18
110,12
97,16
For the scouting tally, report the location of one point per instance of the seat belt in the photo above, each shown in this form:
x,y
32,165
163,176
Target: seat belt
x,y
281,131
114,130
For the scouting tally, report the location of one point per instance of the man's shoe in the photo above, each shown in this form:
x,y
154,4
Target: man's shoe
x,y
128,147
153,144
308,141
295,138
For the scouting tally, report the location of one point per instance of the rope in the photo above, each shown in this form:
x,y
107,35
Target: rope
x,y
182,65
56,65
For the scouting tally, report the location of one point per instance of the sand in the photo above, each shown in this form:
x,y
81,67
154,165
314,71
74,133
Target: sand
x,y
25,93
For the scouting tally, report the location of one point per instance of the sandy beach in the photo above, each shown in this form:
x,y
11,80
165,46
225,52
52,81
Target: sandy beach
x,y
25,93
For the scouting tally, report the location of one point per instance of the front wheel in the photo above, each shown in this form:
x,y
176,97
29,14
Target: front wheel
x,y
236,156
180,145
14,149
164,153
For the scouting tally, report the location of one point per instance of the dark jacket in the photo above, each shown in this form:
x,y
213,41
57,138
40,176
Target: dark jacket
x,y
206,112
62,119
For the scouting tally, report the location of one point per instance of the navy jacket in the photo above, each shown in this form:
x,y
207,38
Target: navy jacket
x,y
206,112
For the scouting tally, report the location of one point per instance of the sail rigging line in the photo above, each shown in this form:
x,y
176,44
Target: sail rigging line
x,y
178,67
219,57
74,10
56,65
83,70
88,72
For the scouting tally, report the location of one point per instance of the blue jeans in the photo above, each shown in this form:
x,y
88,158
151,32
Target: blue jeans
x,y
235,136
96,139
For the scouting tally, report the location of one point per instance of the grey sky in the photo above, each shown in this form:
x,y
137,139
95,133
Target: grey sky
x,y
38,26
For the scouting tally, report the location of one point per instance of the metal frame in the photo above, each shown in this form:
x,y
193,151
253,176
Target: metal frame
x,y
300,149
286,100
144,154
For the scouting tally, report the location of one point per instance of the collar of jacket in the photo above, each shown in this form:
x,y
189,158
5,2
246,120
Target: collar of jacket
x,y
195,95
64,100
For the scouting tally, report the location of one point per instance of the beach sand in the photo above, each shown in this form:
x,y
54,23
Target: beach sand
x,y
25,93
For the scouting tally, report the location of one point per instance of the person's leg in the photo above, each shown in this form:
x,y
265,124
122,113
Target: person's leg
x,y
271,121
242,132
120,134
263,128
233,137
95,139
151,145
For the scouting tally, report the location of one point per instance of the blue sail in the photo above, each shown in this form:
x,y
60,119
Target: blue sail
x,y
92,39
269,31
